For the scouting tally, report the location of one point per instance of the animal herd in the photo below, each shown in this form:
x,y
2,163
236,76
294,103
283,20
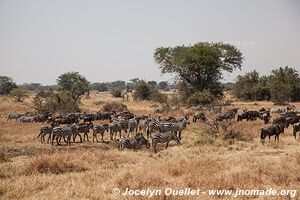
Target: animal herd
x,y
129,130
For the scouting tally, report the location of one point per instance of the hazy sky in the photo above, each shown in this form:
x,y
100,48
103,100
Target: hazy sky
x,y
115,39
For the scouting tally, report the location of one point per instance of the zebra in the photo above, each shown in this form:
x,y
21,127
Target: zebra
x,y
63,132
179,127
114,128
142,124
152,125
164,138
166,127
132,126
134,143
99,129
83,128
44,130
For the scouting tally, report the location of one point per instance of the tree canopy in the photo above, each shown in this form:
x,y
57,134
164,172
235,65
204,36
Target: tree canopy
x,y
74,83
199,65
6,84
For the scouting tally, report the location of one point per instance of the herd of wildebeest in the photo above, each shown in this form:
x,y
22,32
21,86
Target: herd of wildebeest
x,y
159,129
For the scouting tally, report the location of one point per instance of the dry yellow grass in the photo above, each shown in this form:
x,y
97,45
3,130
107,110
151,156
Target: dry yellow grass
x,y
30,170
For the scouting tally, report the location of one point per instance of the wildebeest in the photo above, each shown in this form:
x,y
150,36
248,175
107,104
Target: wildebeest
x,y
274,129
199,116
280,120
296,128
230,114
13,116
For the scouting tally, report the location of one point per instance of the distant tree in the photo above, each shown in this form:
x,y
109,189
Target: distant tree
x,y
135,80
142,91
118,84
76,84
6,85
152,84
163,85
244,87
31,86
18,94
284,85
100,87
199,65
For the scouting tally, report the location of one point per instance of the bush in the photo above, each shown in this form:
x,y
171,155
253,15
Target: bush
x,y
201,98
142,91
61,101
158,96
114,107
18,94
116,92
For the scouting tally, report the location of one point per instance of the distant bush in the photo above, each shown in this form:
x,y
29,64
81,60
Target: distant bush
x,y
18,94
116,92
158,96
144,91
201,98
56,102
114,107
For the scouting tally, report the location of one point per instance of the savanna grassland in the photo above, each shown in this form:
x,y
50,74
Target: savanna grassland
x,y
31,170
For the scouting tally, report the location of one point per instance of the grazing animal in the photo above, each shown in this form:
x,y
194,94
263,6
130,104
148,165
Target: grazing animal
x,y
274,129
152,126
134,143
44,130
164,138
132,126
13,116
199,116
85,129
230,114
266,118
114,128
179,127
63,132
99,129
280,120
296,128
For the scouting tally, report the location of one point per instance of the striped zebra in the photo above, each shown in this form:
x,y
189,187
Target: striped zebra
x,y
132,126
165,127
152,126
133,143
164,138
85,129
114,128
179,127
63,132
44,130
99,129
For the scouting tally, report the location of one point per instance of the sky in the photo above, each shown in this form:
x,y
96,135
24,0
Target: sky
x,y
115,39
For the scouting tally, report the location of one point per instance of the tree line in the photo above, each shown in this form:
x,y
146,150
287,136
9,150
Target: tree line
x,y
281,86
198,70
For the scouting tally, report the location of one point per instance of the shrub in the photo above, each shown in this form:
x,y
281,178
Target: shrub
x,y
61,101
201,98
114,107
116,92
18,94
158,96
142,91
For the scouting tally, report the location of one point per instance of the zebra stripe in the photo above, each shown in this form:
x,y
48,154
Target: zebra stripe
x,y
164,138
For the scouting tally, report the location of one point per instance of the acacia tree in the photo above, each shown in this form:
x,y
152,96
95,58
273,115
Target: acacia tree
x,y
6,84
200,65
76,84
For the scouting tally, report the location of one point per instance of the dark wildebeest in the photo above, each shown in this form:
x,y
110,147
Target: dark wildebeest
x,y
280,120
296,128
275,129
200,116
